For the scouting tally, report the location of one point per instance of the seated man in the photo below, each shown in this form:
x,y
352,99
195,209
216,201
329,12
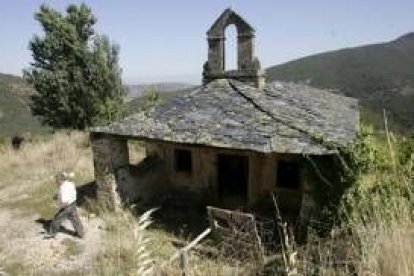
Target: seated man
x,y
66,203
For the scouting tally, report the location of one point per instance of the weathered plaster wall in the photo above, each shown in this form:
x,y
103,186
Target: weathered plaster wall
x,y
262,173
203,171
156,174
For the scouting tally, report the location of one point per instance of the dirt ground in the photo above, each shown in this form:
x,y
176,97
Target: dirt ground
x,y
25,248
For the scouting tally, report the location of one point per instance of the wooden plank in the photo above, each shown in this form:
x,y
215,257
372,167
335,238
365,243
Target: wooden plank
x,y
237,228
197,239
191,244
184,262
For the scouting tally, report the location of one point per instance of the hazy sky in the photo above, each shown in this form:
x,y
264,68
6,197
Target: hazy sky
x,y
165,40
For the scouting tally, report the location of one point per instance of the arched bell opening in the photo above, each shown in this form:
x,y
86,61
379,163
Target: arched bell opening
x,y
231,51
230,48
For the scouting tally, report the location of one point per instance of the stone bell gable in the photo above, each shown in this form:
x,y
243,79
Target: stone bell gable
x,y
248,66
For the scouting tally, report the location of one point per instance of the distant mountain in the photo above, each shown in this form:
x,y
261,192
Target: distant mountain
x,y
381,76
15,115
135,91
150,98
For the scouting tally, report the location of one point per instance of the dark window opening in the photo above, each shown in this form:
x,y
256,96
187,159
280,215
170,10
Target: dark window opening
x,y
183,161
233,176
288,175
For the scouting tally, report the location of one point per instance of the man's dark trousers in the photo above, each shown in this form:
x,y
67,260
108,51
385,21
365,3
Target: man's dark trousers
x,y
69,212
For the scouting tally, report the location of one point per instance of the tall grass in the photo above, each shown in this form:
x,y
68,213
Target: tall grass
x,y
380,207
27,174
127,248
375,235
45,156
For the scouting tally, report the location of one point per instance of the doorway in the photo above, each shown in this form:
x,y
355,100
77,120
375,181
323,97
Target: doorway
x,y
289,188
233,179
288,175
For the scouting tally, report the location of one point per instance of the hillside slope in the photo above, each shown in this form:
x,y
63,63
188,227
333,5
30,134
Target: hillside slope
x,y
135,91
15,115
380,75
150,98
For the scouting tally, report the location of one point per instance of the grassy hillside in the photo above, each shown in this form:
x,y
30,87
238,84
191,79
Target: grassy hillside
x,y
15,115
380,75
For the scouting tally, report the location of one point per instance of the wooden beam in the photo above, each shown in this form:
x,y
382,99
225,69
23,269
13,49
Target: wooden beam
x,y
190,245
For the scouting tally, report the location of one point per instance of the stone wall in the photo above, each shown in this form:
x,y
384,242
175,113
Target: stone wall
x,y
110,154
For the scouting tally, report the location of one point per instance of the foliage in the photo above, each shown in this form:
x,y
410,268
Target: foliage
x,y
324,176
150,98
75,70
372,169
382,174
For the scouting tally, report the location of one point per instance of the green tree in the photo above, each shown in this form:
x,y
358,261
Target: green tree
x,y
75,70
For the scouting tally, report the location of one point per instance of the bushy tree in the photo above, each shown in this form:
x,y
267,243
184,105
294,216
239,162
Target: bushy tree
x,y
75,70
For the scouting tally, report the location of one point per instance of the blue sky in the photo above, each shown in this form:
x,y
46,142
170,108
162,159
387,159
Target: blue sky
x,y
165,40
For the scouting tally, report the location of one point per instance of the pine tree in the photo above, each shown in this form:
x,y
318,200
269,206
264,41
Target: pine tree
x,y
75,70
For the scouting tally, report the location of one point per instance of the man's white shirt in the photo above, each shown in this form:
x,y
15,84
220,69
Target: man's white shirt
x,y
66,194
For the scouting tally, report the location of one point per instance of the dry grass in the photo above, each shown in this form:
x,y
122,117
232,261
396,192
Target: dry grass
x,y
28,174
41,159
392,251
128,245
374,249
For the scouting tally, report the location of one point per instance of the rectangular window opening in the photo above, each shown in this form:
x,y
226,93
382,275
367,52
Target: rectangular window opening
x,y
183,161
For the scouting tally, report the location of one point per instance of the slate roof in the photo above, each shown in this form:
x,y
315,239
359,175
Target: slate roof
x,y
282,118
